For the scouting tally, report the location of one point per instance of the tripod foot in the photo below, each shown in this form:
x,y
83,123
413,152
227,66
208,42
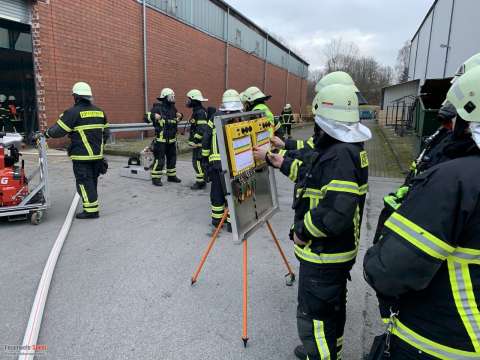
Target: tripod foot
x,y
245,341
290,279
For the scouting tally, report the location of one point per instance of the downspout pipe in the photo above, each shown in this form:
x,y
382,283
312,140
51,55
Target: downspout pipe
x,y
227,45
145,68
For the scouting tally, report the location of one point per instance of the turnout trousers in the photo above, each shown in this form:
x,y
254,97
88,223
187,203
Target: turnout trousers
x,y
86,177
197,165
321,312
288,129
217,196
163,151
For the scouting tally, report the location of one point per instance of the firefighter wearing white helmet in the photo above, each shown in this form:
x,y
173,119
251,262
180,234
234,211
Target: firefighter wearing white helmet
x,y
198,129
426,261
231,103
255,100
87,127
326,231
4,114
336,77
164,117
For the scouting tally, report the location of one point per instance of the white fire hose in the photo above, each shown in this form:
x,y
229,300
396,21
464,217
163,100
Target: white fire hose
x,y
36,314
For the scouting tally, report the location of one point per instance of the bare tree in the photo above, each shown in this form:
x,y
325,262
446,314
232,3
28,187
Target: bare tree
x,y
403,58
369,75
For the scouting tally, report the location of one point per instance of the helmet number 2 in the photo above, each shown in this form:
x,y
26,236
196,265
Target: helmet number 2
x,y
4,181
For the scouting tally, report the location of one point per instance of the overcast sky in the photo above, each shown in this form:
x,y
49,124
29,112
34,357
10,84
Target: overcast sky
x,y
378,27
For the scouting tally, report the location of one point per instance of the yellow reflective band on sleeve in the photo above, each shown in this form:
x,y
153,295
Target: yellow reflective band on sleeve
x,y
63,125
419,237
312,229
294,169
428,346
310,143
363,159
308,255
86,157
346,186
202,122
86,143
91,114
90,127
321,340
278,126
466,256
205,152
300,144
282,152
198,136
465,302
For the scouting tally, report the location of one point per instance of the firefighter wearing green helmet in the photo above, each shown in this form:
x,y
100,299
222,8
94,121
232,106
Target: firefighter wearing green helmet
x,y
255,100
165,117
87,127
331,187
198,128
425,267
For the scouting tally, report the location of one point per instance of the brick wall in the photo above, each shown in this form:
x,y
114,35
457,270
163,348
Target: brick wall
x,y
101,42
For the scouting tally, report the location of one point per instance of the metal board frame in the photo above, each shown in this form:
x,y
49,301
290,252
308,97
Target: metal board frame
x,y
241,231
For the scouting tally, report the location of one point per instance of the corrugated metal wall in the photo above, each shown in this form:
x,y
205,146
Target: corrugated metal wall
x,y
212,19
15,10
439,55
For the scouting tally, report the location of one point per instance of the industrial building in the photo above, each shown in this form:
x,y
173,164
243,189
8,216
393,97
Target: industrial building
x,y
129,49
446,37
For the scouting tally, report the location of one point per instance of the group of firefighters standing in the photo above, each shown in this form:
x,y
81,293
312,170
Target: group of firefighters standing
x,y
424,262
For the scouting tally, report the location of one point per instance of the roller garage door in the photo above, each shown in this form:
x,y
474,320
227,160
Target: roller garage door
x,y
15,10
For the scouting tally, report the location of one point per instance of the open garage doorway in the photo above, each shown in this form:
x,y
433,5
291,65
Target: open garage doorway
x,y
17,82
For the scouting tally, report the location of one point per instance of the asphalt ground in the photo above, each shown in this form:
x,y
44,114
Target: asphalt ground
x,y
121,288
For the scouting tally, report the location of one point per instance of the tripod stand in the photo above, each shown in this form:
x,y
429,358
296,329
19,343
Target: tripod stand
x,y
290,276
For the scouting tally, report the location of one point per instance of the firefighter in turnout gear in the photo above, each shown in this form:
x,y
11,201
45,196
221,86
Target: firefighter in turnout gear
x,y
87,127
426,265
15,117
4,114
290,146
439,147
287,120
198,128
165,120
330,191
254,100
231,103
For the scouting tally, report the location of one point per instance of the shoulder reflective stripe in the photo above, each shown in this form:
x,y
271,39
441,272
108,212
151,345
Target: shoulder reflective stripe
x,y
321,340
465,255
307,255
63,125
90,127
85,142
419,237
294,169
430,347
91,114
312,229
300,144
464,296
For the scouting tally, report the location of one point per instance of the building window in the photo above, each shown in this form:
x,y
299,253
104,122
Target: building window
x,y
238,38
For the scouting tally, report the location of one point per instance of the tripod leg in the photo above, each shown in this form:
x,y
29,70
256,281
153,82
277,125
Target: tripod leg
x,y
210,245
245,294
291,274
